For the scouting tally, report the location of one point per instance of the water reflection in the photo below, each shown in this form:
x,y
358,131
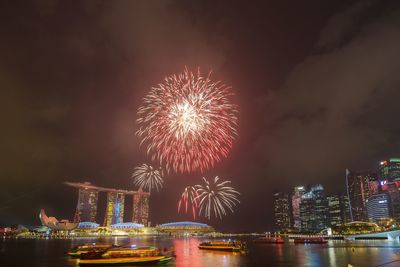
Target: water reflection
x,y
188,254
336,253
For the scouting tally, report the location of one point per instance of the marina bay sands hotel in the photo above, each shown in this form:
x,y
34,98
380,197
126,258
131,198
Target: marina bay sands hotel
x,y
86,209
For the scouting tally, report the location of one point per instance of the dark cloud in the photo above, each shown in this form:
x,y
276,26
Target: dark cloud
x,y
334,110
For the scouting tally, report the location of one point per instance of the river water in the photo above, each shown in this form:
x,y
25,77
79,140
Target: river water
x,y
50,253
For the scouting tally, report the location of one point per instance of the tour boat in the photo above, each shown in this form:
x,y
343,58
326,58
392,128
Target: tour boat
x,y
269,240
78,251
233,246
127,256
310,240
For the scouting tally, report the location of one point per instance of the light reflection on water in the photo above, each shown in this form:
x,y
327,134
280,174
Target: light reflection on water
x,y
33,253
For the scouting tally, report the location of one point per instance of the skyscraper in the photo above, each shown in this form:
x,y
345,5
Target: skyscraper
x,y
389,170
86,209
296,199
140,212
114,208
321,206
314,209
281,211
392,189
334,214
359,188
378,208
345,209
307,212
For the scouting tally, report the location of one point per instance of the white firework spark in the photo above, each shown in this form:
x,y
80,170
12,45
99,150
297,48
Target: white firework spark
x,y
215,197
147,177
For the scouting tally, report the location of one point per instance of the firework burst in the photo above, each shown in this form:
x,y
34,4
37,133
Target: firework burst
x,y
188,198
215,197
147,177
188,122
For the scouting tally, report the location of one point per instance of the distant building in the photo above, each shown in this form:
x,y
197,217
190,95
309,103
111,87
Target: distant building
x,y
114,208
184,228
281,211
378,208
54,224
296,199
392,189
321,206
88,225
127,226
141,211
360,186
86,209
345,209
389,170
307,212
334,210
314,209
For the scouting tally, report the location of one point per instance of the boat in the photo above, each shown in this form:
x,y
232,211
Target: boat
x,y
232,246
127,256
268,239
310,240
78,251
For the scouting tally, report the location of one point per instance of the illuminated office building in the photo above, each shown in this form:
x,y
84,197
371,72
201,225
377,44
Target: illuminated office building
x,y
296,199
314,209
321,206
281,211
378,208
307,212
392,189
141,211
360,186
345,209
114,208
334,210
389,170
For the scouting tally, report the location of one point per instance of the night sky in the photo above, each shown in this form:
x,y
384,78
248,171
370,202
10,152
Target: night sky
x,y
317,84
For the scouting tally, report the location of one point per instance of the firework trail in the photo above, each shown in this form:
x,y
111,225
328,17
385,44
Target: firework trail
x,y
215,197
188,198
188,122
147,177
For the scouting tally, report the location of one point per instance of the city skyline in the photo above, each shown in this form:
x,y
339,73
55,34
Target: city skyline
x,y
314,93
371,196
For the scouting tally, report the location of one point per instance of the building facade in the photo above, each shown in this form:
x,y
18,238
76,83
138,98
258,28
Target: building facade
x,y
392,189
114,208
314,210
360,186
141,213
296,200
281,211
378,208
307,212
86,209
345,209
389,170
334,210
321,207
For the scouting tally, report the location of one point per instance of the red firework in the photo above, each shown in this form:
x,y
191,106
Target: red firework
x,y
188,122
188,198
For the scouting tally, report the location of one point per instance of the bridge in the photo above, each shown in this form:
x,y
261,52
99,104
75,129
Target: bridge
x,y
390,235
